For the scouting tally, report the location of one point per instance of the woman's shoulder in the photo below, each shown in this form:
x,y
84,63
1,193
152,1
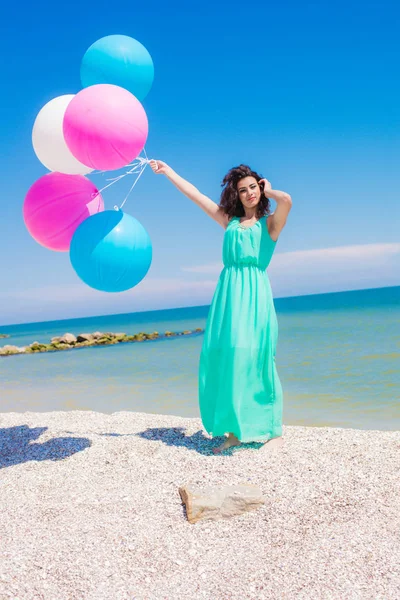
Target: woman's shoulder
x,y
230,220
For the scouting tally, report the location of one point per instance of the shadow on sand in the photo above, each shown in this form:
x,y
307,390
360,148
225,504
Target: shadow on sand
x,y
198,442
17,446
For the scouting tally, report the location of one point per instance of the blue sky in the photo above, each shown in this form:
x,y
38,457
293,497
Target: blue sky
x,y
307,94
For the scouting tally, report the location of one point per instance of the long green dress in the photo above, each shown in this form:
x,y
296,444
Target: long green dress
x,y
239,387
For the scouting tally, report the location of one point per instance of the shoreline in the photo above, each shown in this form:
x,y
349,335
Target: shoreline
x,y
92,509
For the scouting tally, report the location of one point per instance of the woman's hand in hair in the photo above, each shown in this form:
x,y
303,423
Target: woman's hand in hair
x,y
265,186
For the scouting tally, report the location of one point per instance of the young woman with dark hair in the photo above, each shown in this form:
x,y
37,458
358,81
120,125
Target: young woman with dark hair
x,y
239,388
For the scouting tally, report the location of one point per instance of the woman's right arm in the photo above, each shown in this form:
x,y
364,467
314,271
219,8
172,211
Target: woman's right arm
x,y
210,208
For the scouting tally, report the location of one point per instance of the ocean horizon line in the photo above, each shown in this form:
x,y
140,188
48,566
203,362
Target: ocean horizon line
x,y
282,303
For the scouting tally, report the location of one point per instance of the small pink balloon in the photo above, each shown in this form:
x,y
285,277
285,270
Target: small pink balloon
x,y
56,204
105,127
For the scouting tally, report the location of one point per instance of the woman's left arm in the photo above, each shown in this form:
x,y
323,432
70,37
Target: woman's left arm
x,y
284,205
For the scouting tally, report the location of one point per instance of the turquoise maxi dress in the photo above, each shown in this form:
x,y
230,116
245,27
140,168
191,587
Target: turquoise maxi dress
x,y
239,387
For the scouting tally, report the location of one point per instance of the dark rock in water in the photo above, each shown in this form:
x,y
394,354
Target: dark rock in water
x,y
85,337
106,339
120,337
152,336
97,335
85,344
4,335
68,338
59,346
38,347
10,350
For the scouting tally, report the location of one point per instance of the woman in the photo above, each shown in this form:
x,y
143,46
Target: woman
x,y
239,387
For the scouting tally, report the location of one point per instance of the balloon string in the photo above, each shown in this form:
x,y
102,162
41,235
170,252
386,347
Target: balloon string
x,y
133,185
139,163
110,184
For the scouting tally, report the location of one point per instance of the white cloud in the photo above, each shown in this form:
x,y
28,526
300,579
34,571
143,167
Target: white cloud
x,y
341,254
327,269
339,257
335,269
291,274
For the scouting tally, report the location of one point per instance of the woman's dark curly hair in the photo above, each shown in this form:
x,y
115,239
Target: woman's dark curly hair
x,y
230,202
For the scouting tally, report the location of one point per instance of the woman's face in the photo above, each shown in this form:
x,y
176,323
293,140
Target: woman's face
x,y
249,192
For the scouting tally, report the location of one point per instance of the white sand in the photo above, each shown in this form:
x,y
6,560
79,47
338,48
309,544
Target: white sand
x,y
106,520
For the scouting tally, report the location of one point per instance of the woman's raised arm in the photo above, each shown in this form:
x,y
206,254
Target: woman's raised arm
x,y
209,206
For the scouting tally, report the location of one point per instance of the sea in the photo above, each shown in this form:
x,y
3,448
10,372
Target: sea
x,y
338,358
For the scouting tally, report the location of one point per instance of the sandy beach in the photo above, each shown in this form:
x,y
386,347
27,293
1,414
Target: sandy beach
x,y
90,509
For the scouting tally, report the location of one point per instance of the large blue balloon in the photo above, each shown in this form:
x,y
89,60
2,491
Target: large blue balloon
x,y
111,251
120,60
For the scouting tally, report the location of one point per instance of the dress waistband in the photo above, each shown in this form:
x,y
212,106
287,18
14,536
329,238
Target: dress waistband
x,y
244,265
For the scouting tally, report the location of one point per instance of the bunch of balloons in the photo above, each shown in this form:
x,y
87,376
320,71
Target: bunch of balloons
x,y
102,127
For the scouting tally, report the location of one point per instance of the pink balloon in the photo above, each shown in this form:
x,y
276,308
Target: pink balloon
x,y
105,126
56,204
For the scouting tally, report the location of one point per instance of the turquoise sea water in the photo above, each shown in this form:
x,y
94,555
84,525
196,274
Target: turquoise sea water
x,y
338,359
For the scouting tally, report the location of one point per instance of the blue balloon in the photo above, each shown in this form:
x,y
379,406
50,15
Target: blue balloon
x,y
111,251
119,60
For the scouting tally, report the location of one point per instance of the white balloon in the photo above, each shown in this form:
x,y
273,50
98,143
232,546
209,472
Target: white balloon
x,y
48,139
